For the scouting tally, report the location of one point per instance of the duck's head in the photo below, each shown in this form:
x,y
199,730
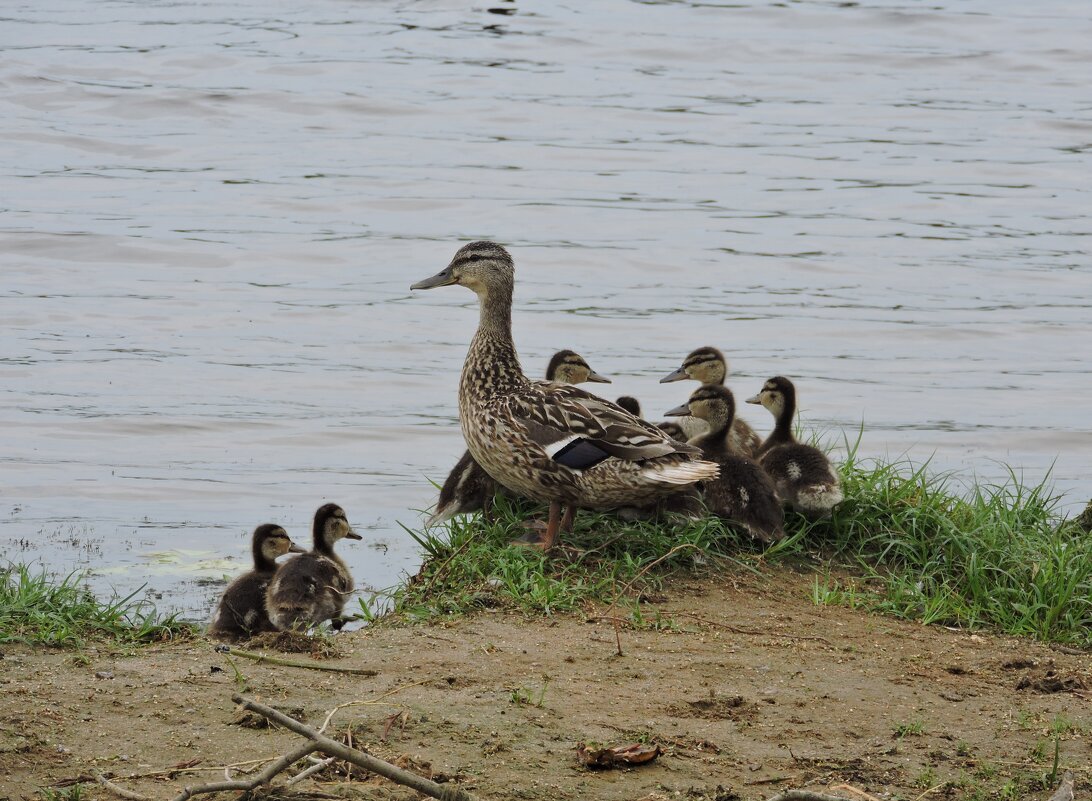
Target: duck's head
x,y
331,525
710,402
706,365
570,368
630,404
480,266
776,393
271,541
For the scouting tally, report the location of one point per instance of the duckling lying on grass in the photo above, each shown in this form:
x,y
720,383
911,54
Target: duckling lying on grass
x,y
314,586
241,612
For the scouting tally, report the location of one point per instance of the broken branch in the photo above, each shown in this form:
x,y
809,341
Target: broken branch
x,y
343,752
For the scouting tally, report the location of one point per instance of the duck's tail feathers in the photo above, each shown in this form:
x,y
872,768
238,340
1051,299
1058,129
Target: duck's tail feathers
x,y
681,472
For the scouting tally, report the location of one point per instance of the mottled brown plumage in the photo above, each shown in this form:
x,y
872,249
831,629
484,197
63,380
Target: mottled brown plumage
x,y
468,487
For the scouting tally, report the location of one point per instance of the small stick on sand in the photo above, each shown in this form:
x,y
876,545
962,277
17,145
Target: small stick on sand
x,y
275,660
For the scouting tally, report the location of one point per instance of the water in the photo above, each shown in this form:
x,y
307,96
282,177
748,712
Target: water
x,y
212,214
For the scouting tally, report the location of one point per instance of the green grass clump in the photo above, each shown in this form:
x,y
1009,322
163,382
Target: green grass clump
x,y
470,564
40,610
996,556
904,542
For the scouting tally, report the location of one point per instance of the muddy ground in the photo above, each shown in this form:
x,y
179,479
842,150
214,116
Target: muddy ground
x,y
749,689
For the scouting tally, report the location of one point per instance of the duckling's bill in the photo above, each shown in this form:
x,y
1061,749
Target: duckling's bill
x,y
293,548
595,378
756,399
682,410
675,375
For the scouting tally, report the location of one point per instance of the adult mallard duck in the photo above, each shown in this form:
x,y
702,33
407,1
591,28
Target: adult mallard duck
x,y
743,493
708,366
548,441
241,610
804,476
468,487
314,586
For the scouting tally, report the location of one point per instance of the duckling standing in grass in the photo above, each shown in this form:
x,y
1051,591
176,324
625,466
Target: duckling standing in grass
x,y
804,477
470,489
241,611
314,587
709,366
743,493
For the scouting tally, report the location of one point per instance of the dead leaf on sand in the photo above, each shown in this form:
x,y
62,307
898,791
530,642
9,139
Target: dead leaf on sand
x,y
618,756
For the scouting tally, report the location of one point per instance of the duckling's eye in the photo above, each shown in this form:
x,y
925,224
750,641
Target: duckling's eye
x,y
475,257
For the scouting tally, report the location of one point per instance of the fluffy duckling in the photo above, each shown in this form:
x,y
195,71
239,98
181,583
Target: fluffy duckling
x,y
804,476
630,404
468,488
314,587
241,611
709,366
743,493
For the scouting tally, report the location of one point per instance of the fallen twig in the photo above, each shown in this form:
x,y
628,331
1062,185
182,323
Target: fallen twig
x,y
753,632
276,660
264,777
805,795
318,742
121,791
319,765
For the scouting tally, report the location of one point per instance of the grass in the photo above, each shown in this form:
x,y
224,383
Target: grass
x,y
40,610
905,542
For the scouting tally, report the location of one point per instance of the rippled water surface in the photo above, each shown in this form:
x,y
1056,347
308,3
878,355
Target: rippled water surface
x,y
212,213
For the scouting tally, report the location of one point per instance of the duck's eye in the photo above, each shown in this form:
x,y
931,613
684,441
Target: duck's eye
x,y
474,257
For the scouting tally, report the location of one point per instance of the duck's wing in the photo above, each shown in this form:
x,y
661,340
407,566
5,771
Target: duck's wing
x,y
559,417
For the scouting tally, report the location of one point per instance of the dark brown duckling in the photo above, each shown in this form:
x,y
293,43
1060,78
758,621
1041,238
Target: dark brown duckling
x,y
630,404
241,614
314,586
468,487
743,493
804,477
709,366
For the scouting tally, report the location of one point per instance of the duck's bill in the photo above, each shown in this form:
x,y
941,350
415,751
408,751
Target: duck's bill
x,y
677,375
293,548
352,535
442,278
679,411
755,399
595,378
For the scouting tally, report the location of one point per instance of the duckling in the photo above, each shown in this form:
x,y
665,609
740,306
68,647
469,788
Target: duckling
x,y
470,489
709,366
630,404
743,493
315,586
673,430
241,611
805,479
